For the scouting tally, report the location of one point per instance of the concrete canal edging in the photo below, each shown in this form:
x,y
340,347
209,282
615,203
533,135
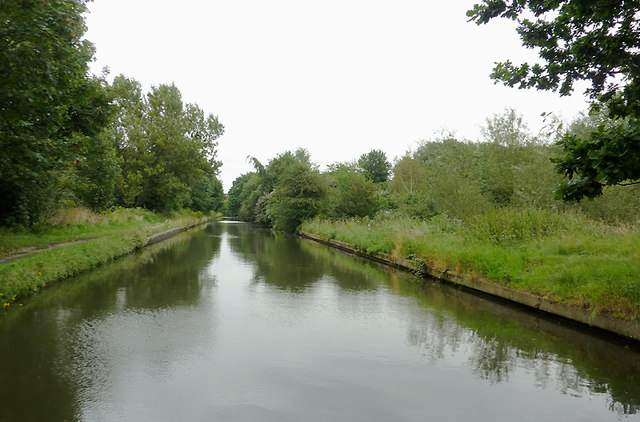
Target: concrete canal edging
x,y
572,312
46,266
159,237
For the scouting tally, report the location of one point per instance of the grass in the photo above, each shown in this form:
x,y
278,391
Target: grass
x,y
75,224
563,256
107,236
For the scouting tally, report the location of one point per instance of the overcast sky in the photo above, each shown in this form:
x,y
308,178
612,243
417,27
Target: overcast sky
x,y
337,77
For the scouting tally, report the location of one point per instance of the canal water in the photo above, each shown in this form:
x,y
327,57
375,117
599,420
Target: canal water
x,y
234,323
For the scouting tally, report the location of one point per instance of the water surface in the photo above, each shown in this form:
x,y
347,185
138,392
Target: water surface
x,y
236,323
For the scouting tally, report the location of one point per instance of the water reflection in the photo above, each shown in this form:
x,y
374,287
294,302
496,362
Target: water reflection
x,y
279,261
63,345
499,340
238,323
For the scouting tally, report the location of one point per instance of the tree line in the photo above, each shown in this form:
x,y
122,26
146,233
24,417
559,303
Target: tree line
x,y
508,168
68,137
594,165
597,42
290,188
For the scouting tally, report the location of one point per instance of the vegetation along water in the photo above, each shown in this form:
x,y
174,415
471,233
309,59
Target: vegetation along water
x,y
243,321
232,322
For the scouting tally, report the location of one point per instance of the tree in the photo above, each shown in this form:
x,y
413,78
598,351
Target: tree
x,y
254,191
96,171
43,63
409,176
95,165
608,155
206,194
167,148
514,166
235,194
351,194
298,196
595,41
375,166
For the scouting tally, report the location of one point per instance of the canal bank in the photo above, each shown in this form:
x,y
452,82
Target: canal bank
x,y
24,274
234,322
583,315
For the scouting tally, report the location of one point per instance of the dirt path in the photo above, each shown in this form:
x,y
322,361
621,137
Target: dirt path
x,y
32,250
22,252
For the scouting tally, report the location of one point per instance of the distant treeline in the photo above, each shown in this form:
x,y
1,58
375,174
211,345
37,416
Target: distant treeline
x,y
509,168
70,138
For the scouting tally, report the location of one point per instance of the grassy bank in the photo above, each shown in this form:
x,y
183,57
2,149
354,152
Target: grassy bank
x,y
99,238
562,256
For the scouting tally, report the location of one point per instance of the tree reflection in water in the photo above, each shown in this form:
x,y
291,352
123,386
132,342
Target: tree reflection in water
x,y
89,336
496,338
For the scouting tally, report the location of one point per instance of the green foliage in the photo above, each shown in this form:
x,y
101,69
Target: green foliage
x,y
451,176
351,194
511,169
281,163
251,194
608,155
235,194
509,177
207,194
595,41
375,166
96,171
565,257
412,205
514,167
45,100
167,149
298,196
106,237
409,176
616,205
249,197
508,225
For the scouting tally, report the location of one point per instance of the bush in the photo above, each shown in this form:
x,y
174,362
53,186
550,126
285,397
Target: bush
x,y
353,195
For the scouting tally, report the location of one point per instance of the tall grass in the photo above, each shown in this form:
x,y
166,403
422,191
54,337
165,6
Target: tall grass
x,y
106,237
73,224
561,255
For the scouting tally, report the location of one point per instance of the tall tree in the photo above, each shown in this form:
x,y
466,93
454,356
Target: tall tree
x,y
514,166
95,166
298,196
350,193
595,41
43,68
167,148
375,166
235,194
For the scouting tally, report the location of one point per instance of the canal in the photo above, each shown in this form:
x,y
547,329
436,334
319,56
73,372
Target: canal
x,y
235,323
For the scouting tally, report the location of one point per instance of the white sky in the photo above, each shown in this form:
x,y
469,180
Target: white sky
x,y
337,77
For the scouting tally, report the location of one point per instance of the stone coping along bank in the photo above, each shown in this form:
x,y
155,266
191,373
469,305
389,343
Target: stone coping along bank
x,y
576,313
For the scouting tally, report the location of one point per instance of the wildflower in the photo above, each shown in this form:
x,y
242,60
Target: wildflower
x,y
39,274
6,304
15,263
